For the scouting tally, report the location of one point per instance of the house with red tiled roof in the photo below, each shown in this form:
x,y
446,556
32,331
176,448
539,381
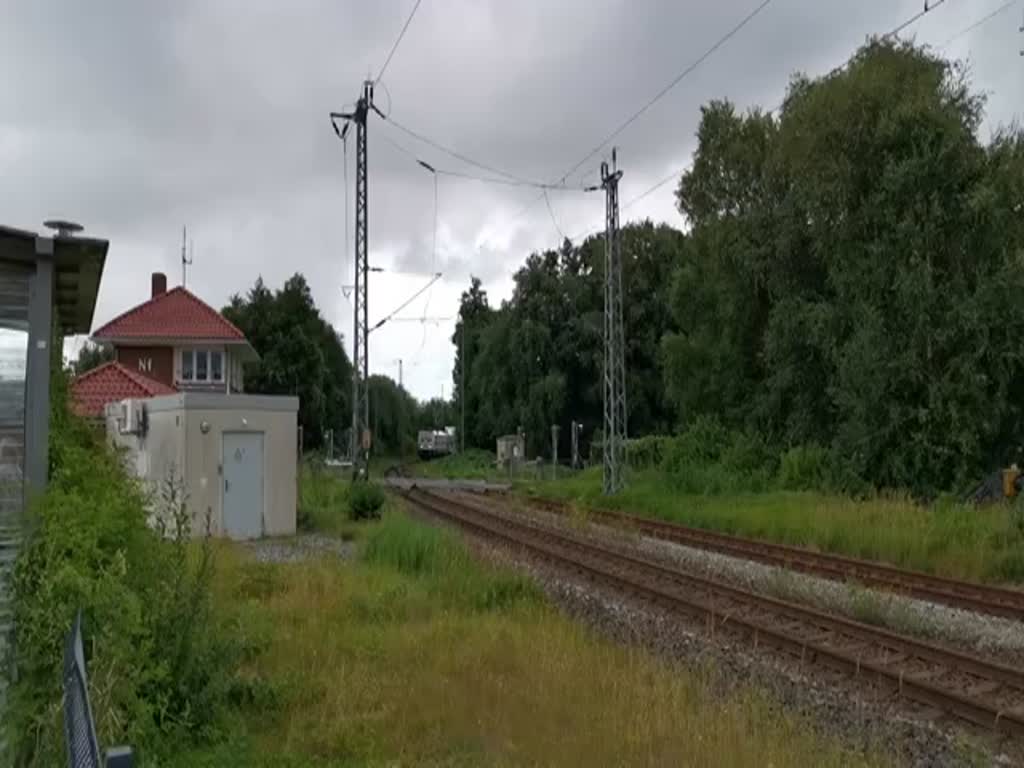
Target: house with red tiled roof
x,y
172,400
173,342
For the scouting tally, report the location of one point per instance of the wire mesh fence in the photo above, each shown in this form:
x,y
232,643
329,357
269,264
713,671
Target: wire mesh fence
x,y
79,726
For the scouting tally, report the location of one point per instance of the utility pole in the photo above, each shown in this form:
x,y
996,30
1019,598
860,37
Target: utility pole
x,y
362,436
554,451
614,447
400,382
577,427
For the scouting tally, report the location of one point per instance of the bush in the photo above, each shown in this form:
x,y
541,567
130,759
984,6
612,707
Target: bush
x,y
365,501
804,468
701,444
158,665
647,452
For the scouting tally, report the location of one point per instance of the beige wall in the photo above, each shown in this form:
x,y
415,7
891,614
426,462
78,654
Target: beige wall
x,y
175,443
158,455
203,468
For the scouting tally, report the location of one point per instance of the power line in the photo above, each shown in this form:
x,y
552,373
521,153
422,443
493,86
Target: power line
x,y
459,156
407,302
928,8
658,96
979,22
672,84
394,47
508,182
554,222
890,34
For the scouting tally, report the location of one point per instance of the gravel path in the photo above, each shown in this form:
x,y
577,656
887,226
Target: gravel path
x,y
304,546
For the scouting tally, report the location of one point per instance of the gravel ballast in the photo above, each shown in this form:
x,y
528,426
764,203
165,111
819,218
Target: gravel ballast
x,y
850,710
305,546
997,638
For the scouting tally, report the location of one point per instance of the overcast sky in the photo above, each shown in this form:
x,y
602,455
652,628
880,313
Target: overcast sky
x,y
135,118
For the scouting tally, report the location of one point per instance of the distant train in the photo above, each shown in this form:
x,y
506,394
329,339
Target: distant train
x,y
434,443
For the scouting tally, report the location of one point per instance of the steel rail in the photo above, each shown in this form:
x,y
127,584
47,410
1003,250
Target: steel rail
x,y
972,688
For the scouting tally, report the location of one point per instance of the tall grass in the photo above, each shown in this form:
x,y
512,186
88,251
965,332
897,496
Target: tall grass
x,y
944,537
398,660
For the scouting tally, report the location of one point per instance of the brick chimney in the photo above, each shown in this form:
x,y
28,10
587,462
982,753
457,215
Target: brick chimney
x,y
159,284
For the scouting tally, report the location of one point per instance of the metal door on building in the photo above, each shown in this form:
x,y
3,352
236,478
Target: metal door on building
x,y
243,484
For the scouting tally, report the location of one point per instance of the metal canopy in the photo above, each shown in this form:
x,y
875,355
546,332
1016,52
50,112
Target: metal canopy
x,y
78,266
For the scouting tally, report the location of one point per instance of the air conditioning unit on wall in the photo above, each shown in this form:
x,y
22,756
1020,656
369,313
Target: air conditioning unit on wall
x,y
132,418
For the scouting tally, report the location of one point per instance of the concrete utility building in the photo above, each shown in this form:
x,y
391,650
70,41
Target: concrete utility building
x,y
234,454
173,399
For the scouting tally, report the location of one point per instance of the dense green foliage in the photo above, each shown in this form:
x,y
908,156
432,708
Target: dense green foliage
x,y
159,663
365,501
536,361
300,354
90,356
849,286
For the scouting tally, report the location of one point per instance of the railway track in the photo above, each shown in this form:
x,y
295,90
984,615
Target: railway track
x,y
974,689
981,598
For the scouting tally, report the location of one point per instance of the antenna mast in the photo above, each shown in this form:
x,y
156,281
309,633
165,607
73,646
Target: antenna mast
x,y
186,256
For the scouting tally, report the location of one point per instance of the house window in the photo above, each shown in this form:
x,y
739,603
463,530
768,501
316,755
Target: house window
x,y
202,365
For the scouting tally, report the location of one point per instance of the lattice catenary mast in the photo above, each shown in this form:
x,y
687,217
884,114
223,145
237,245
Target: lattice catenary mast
x,y
614,337
361,434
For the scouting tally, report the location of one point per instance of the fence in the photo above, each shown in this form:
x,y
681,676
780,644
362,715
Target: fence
x,y
79,726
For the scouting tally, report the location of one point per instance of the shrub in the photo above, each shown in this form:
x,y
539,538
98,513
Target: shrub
x,y
647,452
158,665
365,501
702,443
804,468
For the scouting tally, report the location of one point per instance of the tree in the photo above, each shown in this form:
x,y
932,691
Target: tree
x,y
90,356
848,274
300,354
474,315
393,417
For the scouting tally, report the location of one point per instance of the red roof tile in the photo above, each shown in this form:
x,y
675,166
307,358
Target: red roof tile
x,y
110,382
176,314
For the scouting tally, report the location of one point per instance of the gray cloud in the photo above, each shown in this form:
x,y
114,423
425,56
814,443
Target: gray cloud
x,y
137,117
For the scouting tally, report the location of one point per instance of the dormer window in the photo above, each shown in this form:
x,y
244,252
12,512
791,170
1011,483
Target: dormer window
x,y
202,365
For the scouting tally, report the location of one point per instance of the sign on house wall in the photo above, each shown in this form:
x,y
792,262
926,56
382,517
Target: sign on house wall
x,y
155,362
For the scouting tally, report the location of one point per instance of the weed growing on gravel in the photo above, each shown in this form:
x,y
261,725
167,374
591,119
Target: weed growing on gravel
x,y
947,538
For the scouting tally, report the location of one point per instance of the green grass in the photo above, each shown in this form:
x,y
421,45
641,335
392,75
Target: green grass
x,y
946,538
417,654
325,502
472,464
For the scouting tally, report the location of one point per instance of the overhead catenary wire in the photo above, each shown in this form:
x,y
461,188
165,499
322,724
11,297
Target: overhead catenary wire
x,y
394,47
983,20
657,97
671,84
551,212
430,167
887,36
464,158
406,303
